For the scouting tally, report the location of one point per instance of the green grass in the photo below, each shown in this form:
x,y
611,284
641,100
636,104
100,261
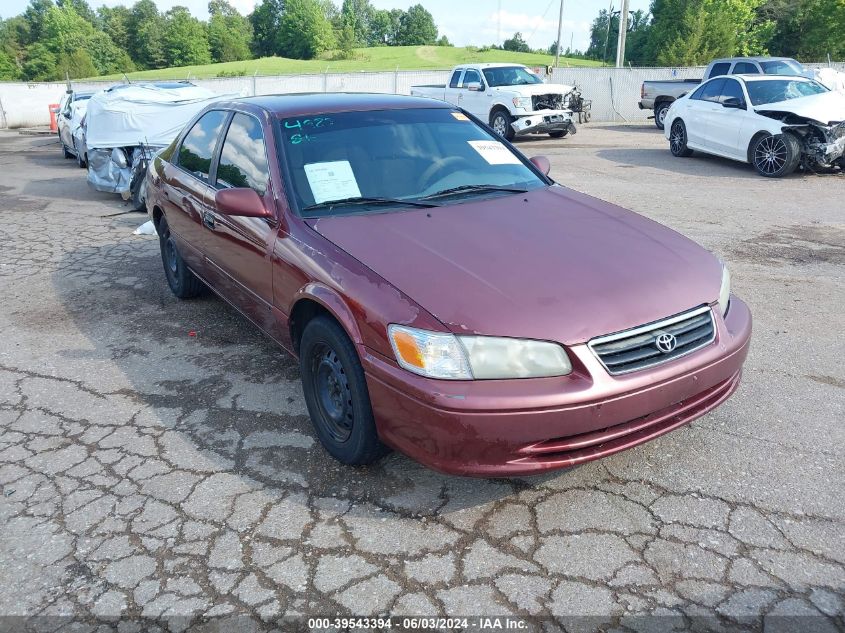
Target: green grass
x,y
380,58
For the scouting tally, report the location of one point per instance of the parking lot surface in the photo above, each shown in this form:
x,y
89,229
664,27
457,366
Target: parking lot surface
x,y
156,459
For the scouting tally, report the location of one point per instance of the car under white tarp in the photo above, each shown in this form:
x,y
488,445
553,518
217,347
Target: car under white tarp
x,y
127,124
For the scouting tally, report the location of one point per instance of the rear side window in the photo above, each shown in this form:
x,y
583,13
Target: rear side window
x,y
456,79
243,159
711,91
745,68
198,145
720,69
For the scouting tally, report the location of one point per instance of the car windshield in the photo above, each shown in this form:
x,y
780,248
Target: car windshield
x,y
775,90
782,67
510,76
380,160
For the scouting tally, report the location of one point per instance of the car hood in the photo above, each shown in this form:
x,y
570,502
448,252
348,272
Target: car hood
x,y
529,90
827,107
551,264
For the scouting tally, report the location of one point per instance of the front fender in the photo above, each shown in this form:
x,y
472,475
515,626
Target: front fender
x,y
331,300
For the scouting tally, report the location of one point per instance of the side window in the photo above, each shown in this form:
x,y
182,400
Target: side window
x,y
746,68
243,160
198,145
711,91
731,88
471,76
456,78
720,69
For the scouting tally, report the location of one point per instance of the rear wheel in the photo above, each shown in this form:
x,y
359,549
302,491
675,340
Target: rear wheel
x,y
81,160
183,283
336,394
678,140
660,112
559,133
501,121
775,155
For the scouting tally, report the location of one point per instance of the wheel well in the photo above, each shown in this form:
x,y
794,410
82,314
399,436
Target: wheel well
x,y
157,215
498,108
751,144
303,311
661,100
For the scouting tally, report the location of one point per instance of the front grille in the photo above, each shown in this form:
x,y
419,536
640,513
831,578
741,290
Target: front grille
x,y
547,102
638,348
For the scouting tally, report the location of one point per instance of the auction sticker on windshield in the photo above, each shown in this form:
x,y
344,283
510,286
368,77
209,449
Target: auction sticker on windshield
x,y
332,181
495,153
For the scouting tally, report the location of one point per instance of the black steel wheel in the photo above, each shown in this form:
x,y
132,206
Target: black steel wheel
x,y
336,394
775,155
183,283
678,140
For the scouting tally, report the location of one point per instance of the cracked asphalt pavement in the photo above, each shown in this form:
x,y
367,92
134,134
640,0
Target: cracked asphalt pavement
x,y
157,464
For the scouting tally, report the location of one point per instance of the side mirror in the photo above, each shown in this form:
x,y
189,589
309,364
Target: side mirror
x,y
733,102
542,163
474,86
241,202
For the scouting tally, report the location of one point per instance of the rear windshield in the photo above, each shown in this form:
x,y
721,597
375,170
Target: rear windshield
x,y
775,90
400,155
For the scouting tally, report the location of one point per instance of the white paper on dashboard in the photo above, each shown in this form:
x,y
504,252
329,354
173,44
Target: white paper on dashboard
x,y
332,181
494,153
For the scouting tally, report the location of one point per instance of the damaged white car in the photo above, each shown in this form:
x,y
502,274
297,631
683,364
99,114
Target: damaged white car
x,y
126,125
776,123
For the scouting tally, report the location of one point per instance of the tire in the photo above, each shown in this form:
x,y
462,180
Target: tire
x,y
138,202
501,121
660,113
559,133
81,160
336,394
775,156
678,140
183,283
66,151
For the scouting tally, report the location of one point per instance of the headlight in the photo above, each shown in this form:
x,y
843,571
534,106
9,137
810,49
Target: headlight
x,y
725,290
438,355
522,102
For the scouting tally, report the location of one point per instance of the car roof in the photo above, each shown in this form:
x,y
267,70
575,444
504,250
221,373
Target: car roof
x,y
759,58
759,77
491,65
320,102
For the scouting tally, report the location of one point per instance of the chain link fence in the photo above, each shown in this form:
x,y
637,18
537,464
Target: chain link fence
x,y
615,92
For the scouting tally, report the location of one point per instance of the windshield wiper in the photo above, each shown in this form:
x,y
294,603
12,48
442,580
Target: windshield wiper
x,y
329,204
471,189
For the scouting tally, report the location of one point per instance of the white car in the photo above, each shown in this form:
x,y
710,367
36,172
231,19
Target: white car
x,y
776,123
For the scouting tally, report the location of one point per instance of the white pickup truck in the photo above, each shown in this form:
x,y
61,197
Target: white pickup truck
x,y
510,97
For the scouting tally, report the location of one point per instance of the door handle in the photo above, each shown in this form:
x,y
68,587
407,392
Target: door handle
x,y
208,220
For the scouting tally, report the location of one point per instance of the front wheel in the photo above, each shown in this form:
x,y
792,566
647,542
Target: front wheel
x,y
678,140
66,151
660,113
501,124
81,160
336,394
183,283
775,156
559,133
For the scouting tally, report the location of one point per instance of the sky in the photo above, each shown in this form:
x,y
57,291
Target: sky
x,y
464,22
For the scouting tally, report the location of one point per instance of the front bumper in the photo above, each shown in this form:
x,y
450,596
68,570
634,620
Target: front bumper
x,y
521,427
542,121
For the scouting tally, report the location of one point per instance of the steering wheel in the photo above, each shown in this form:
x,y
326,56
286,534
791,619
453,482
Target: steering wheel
x,y
436,167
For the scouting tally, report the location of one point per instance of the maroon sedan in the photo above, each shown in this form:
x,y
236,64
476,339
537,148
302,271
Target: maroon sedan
x,y
443,295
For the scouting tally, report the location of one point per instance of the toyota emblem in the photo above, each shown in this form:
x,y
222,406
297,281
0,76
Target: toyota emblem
x,y
665,342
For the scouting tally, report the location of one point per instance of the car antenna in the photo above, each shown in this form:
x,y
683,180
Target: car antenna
x,y
126,78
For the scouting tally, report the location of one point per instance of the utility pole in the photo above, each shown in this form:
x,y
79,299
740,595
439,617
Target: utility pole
x,y
499,32
623,31
559,32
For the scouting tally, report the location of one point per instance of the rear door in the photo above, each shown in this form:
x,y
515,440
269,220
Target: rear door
x,y
453,90
185,185
702,103
238,249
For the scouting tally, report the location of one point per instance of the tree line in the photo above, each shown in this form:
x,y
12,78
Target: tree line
x,y
55,39
694,32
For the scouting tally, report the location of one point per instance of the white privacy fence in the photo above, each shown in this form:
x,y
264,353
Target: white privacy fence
x,y
614,92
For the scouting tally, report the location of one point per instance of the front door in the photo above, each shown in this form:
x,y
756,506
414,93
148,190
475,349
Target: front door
x,y
725,123
238,249
474,101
